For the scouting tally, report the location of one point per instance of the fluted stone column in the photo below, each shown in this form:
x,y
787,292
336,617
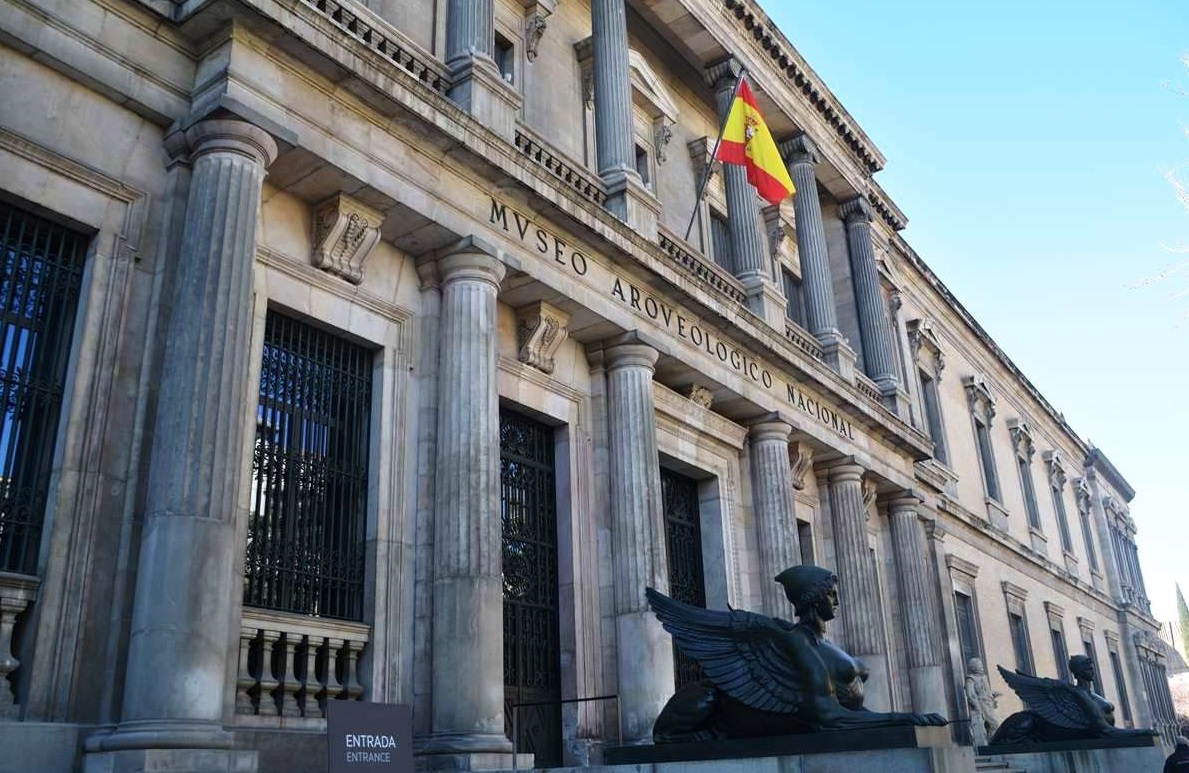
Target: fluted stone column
x,y
749,254
918,605
874,329
181,632
776,522
821,315
858,586
615,146
476,82
468,600
645,651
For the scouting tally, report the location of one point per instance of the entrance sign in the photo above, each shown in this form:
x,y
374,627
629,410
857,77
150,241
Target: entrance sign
x,y
369,737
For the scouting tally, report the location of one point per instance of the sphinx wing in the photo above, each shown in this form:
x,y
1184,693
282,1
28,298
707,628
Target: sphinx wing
x,y
1054,700
746,655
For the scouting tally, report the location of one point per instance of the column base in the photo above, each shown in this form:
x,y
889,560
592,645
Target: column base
x,y
156,735
479,89
764,300
836,353
464,744
631,202
171,761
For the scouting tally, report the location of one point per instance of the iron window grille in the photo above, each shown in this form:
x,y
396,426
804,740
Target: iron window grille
x,y
306,529
683,543
39,292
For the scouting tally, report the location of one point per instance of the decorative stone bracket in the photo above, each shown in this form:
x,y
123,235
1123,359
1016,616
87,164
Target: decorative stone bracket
x,y
541,329
800,463
649,94
17,593
345,232
536,21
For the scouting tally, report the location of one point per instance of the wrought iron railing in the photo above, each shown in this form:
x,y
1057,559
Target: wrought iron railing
x,y
42,265
516,707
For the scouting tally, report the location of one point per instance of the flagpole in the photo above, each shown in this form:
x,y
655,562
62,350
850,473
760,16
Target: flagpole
x,y
709,170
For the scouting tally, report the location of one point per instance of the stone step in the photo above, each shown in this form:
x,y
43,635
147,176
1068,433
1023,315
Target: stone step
x,y
993,765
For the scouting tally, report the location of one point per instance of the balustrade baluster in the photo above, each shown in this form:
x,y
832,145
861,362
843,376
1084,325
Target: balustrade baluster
x,y
245,682
268,671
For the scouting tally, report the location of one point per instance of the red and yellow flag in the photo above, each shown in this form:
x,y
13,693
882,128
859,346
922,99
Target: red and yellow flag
x,y
747,141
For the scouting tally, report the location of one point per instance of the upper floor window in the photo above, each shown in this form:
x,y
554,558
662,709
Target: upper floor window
x,y
1017,625
305,551
1057,480
926,353
1021,438
505,57
1056,617
1081,490
39,291
982,412
720,240
794,296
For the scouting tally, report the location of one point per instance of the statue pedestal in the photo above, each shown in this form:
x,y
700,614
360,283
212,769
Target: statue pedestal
x,y
890,750
1101,755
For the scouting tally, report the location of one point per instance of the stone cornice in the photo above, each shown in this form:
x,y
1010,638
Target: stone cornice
x,y
911,258
756,25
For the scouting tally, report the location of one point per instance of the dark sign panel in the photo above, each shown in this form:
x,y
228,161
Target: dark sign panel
x,y
369,737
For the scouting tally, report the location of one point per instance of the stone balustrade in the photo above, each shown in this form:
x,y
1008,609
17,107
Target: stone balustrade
x,y
868,388
802,339
568,171
713,278
17,594
291,666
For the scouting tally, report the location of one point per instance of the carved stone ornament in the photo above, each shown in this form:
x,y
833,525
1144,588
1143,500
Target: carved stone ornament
x,y
345,232
700,395
1021,438
1056,464
870,491
1082,494
978,395
540,331
800,463
925,345
662,134
534,29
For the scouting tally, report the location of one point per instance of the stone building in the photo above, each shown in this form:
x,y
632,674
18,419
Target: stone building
x,y
358,351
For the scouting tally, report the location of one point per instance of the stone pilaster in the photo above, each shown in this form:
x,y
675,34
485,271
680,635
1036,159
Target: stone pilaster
x,y
776,523
862,612
181,633
750,257
874,328
821,315
468,650
476,84
918,605
645,654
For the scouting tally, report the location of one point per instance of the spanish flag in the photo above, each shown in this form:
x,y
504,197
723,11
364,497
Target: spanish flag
x,y
747,141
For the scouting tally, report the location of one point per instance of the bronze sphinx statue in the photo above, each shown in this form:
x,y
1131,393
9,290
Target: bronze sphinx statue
x,y
1060,711
766,676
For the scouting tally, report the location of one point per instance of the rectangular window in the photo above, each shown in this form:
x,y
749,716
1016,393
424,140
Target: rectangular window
x,y
1020,643
794,297
933,417
720,240
1060,653
39,291
967,627
1062,519
305,551
1088,538
1120,687
505,58
805,540
1026,483
987,457
1088,648
642,166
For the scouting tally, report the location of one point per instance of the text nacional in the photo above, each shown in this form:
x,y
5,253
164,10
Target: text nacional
x,y
674,319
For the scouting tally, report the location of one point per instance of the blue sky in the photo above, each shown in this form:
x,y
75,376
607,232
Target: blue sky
x,y
1027,143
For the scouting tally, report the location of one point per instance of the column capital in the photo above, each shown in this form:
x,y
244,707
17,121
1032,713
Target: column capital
x,y
470,258
770,427
848,472
222,135
627,351
723,73
800,150
856,210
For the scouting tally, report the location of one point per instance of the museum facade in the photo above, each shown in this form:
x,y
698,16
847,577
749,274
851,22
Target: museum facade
x,y
370,351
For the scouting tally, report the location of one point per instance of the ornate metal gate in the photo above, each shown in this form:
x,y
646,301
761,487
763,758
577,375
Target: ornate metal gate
x,y
528,508
683,542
